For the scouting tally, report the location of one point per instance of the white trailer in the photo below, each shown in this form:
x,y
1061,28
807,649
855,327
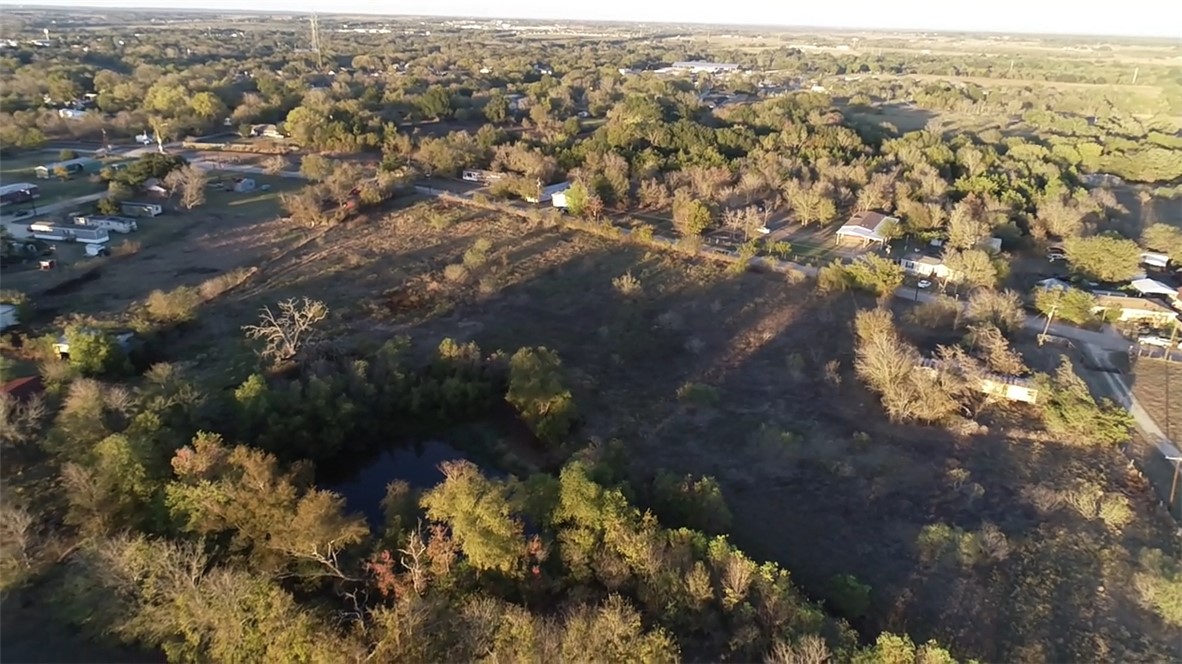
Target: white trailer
x,y
49,231
116,224
140,209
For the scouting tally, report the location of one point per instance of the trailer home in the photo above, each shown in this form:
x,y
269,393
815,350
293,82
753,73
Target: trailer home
x,y
50,231
116,224
138,209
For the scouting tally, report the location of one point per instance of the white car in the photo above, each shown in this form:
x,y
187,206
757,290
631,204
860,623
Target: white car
x,y
924,284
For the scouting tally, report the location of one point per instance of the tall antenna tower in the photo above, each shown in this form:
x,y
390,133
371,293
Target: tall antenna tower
x,y
316,43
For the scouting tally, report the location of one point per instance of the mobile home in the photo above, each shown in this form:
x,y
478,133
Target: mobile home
x,y
548,192
72,167
116,224
50,231
18,192
137,209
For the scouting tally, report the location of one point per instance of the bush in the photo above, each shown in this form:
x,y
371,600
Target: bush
x,y
216,286
176,306
455,273
692,503
627,285
1069,410
940,312
1159,581
833,278
24,306
698,394
848,597
1002,308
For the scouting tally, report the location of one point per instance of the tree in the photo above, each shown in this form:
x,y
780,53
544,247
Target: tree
x,y
497,108
1069,410
691,217
974,266
435,102
288,331
1069,304
538,392
1164,238
988,342
891,367
968,224
94,352
480,515
61,172
576,199
207,106
876,274
190,182
67,155
315,167
163,129
274,165
1106,257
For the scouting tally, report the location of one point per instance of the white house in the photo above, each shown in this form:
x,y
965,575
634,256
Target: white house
x,y
1135,309
866,227
927,266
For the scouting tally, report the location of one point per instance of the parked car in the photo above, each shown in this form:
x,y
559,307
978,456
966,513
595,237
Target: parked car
x,y
1053,256
924,284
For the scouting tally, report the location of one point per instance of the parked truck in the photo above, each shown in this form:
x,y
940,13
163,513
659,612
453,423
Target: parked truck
x,y
116,224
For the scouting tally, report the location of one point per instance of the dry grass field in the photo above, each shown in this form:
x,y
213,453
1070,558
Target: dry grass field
x,y
1158,387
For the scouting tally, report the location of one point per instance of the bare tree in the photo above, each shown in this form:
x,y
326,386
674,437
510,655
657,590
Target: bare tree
x,y
287,332
275,165
189,182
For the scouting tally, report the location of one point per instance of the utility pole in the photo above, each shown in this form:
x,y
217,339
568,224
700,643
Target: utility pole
x,y
1011,71
1050,316
1136,70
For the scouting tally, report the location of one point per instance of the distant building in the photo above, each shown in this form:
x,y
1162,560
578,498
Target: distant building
x,y
71,113
79,166
266,131
1010,388
866,227
701,67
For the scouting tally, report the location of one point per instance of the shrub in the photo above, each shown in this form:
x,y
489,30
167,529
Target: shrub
x,y
940,312
848,596
216,286
1159,581
627,285
24,306
643,234
698,394
693,503
455,273
1003,309
833,278
176,306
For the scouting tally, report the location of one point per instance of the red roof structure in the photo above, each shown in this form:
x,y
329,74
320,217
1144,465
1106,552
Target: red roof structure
x,y
23,389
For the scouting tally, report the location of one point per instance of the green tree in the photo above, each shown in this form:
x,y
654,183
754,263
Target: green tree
x,y
577,197
691,217
497,108
1071,304
876,274
315,167
848,596
94,352
1106,257
1164,238
1069,410
435,102
974,266
207,106
480,515
538,392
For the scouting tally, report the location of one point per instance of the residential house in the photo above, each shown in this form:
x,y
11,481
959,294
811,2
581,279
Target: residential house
x,y
1146,286
1135,309
866,227
79,166
928,266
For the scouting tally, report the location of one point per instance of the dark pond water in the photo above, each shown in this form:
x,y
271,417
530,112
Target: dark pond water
x,y
416,464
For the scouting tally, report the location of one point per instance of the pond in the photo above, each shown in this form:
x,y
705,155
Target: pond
x,y
416,464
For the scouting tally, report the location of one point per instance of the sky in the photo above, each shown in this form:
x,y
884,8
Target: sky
x,y
1160,18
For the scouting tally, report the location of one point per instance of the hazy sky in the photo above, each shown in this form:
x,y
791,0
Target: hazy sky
x,y
1104,17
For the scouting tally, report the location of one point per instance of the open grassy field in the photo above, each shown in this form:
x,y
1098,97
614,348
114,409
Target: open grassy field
x,y
979,538
20,169
1158,386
